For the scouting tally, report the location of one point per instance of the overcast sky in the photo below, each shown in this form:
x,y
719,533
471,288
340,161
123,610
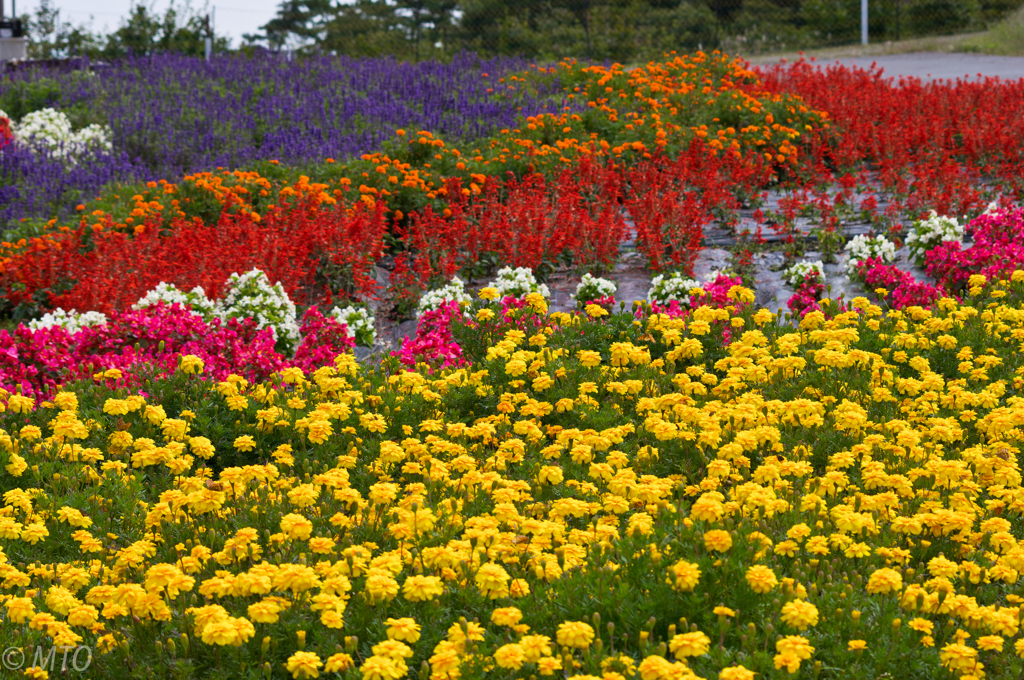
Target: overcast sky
x,y
232,18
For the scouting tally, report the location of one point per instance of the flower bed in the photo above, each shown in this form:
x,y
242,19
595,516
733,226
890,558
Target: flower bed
x,y
609,495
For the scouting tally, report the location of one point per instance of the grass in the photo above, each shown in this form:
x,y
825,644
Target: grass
x,y
1005,38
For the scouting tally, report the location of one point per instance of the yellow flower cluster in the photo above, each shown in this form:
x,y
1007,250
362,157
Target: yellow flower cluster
x,y
575,502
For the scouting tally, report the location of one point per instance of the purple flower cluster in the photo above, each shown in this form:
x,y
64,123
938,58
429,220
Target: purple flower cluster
x,y
172,114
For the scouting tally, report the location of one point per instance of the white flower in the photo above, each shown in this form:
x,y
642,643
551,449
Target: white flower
x,y
251,295
49,131
592,288
668,287
863,247
71,321
454,291
796,274
361,324
929,233
170,294
518,283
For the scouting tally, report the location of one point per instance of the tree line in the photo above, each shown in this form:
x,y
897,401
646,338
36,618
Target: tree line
x,y
620,30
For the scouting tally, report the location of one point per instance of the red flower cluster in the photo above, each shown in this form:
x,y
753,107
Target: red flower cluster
x,y
927,143
6,136
303,247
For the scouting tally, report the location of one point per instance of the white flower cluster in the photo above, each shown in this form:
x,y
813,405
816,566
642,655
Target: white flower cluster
x,y
170,294
251,295
796,274
863,247
71,321
518,283
455,291
49,131
592,287
926,234
668,287
361,323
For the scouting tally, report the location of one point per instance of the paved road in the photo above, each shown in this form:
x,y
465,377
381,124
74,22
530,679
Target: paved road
x,y
938,65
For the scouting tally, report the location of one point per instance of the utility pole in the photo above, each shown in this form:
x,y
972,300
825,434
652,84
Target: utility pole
x,y
863,22
208,40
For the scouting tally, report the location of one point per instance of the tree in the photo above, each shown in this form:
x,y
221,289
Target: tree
x,y
50,38
178,30
298,24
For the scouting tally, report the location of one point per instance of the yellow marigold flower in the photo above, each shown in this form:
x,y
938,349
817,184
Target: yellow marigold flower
x,y
550,474
405,629
856,645
296,527
392,649
796,645
596,311
35,532
382,668
381,585
575,634
220,632
265,611
518,587
73,517
338,663
957,656
506,616
687,574
304,665
115,407
787,660
492,580
304,495
761,579
19,609
549,665
322,545
690,644
510,656
736,672
190,364
990,643
245,443
422,588
718,540
884,581
488,293
20,404
800,614
485,315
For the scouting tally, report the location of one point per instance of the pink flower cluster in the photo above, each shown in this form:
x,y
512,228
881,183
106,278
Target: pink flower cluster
x,y
716,295
904,289
323,338
805,298
148,342
434,344
998,249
